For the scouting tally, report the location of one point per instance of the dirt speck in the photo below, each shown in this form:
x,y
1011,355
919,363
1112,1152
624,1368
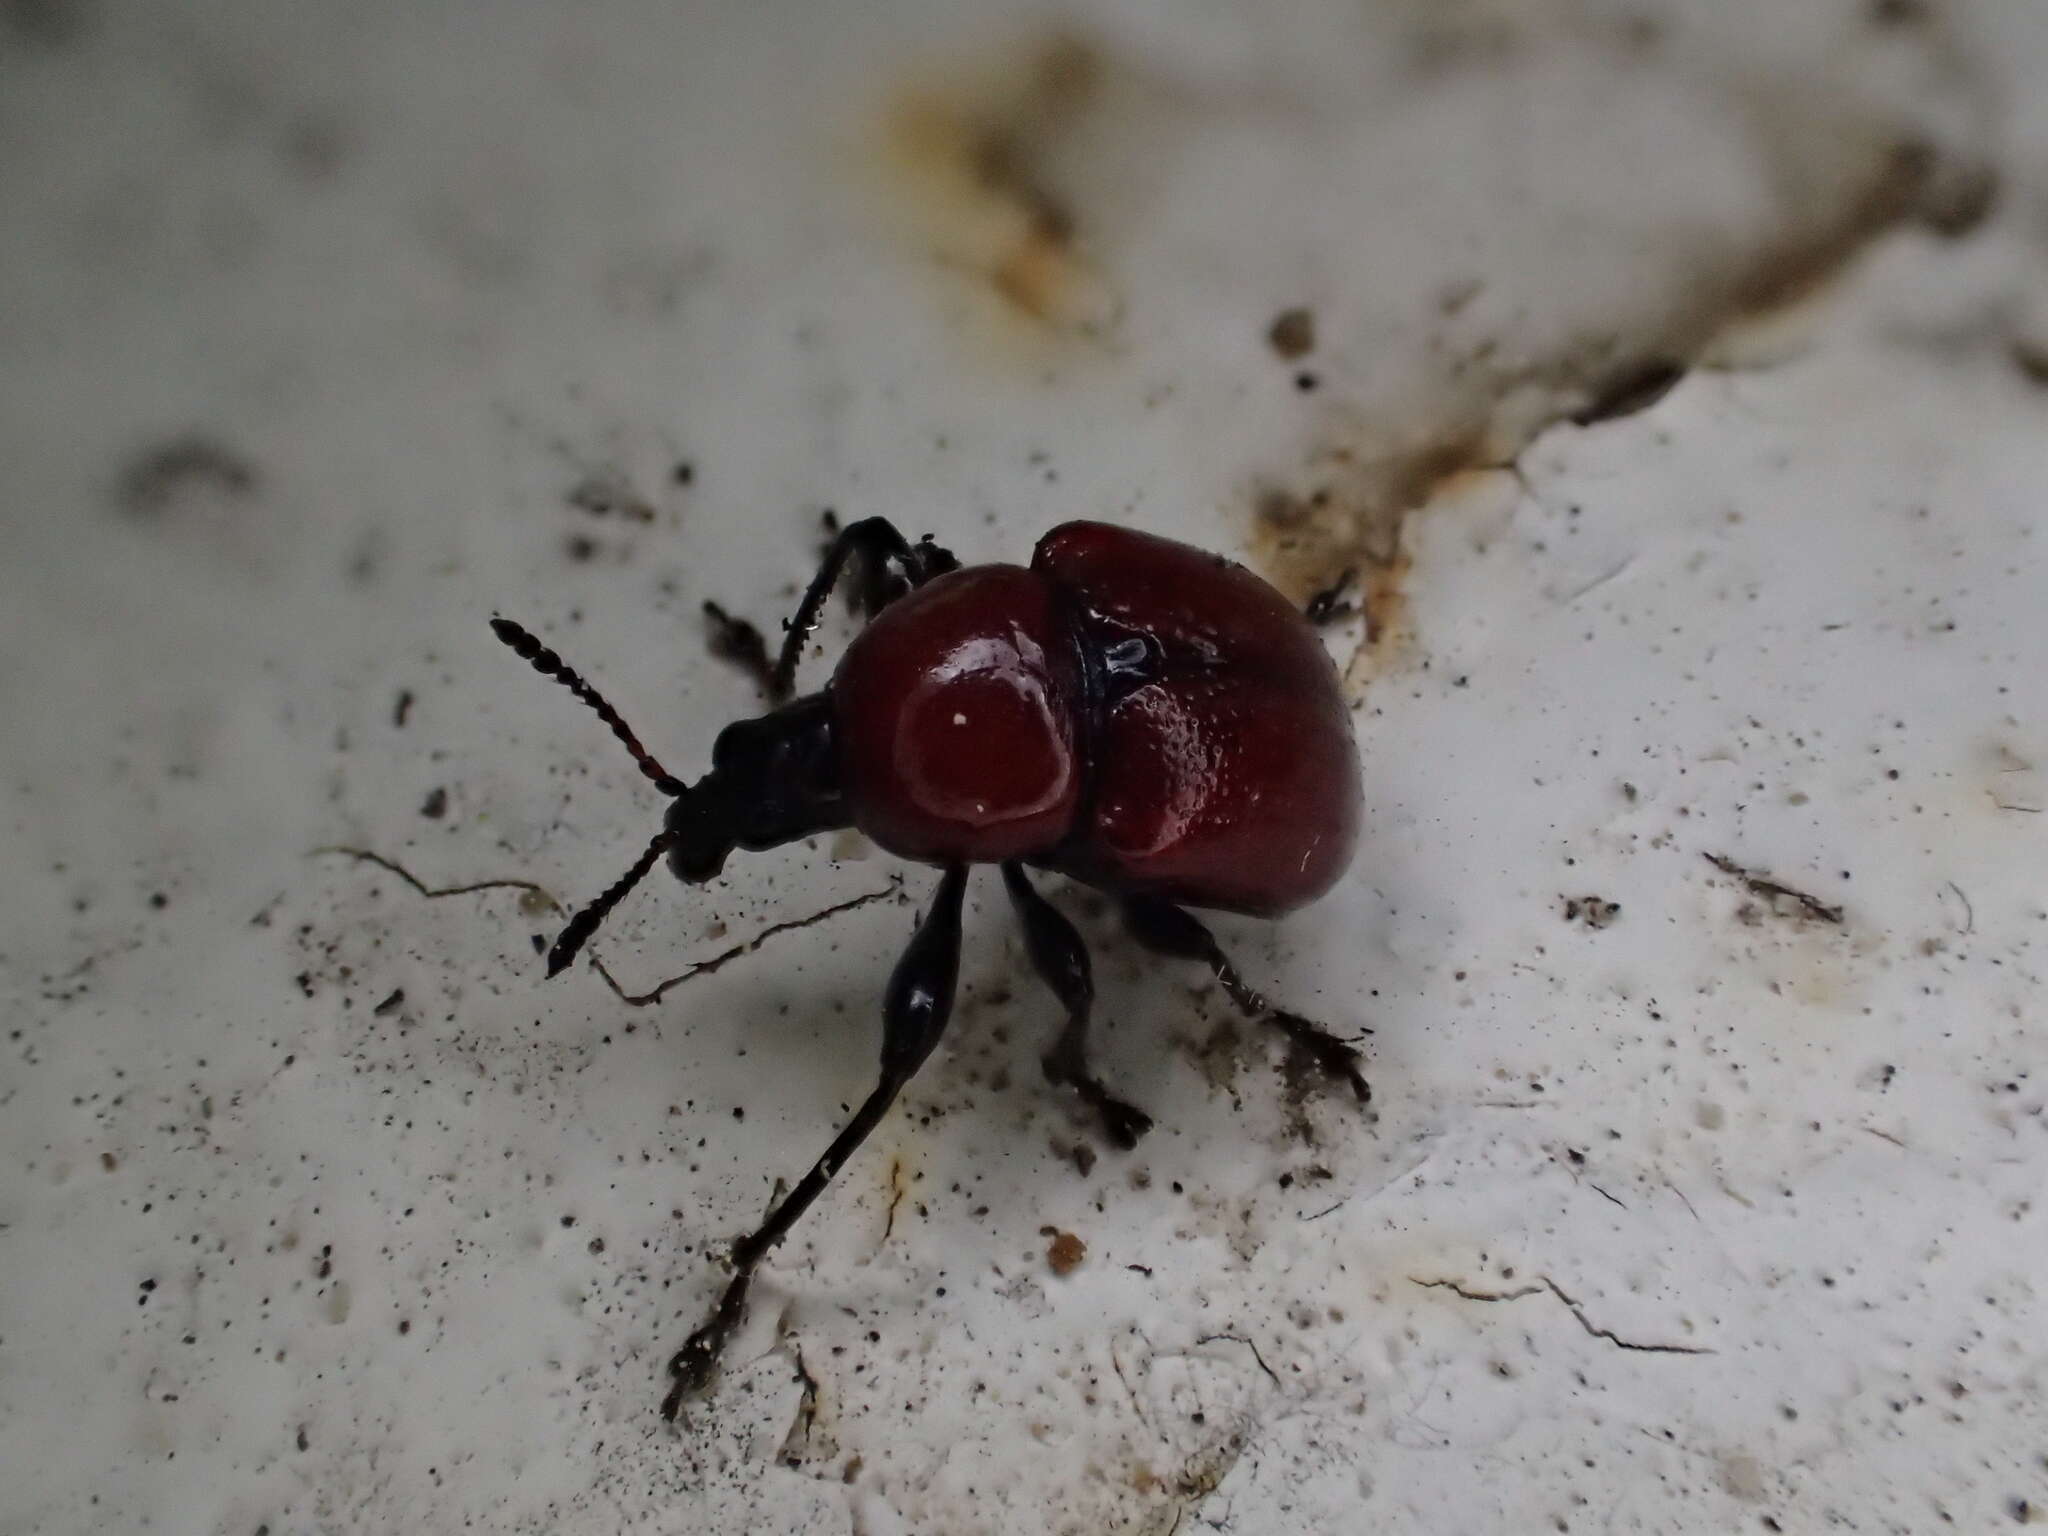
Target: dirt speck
x,y
1292,334
740,642
603,495
2030,357
192,468
1781,900
1592,911
1065,1253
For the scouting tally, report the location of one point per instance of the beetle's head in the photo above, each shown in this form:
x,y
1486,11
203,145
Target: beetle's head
x,y
773,780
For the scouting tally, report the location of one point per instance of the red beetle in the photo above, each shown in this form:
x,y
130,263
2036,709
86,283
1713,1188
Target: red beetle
x,y
1139,715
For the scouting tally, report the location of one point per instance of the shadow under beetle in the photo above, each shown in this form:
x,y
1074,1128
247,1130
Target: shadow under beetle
x,y
1136,714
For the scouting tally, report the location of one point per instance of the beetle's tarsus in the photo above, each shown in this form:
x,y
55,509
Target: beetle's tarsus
x,y
1170,930
1330,1055
694,1367
1122,1123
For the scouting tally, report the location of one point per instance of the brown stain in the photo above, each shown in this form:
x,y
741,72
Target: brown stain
x,y
1350,520
968,153
1903,183
1346,509
2030,357
1292,335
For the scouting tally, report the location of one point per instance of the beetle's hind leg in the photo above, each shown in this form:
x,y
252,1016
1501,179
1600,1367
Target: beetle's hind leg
x,y
1059,956
914,1014
1170,930
873,545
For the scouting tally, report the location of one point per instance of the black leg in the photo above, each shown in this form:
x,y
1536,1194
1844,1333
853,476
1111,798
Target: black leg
x,y
876,545
914,1014
1169,930
1059,956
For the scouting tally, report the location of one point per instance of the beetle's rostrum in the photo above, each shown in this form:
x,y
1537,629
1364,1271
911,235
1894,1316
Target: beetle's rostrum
x,y
1131,712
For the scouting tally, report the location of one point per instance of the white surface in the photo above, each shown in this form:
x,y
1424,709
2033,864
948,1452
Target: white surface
x,y
425,276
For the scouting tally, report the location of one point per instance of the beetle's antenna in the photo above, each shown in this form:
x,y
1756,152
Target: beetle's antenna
x,y
548,664
584,923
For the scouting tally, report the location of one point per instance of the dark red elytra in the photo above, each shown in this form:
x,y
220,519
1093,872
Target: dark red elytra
x,y
1136,714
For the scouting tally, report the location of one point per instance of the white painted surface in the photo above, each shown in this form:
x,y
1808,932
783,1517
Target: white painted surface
x,y
271,1258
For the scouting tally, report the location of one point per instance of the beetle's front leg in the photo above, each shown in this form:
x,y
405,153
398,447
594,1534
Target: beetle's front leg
x,y
1170,930
874,545
914,1014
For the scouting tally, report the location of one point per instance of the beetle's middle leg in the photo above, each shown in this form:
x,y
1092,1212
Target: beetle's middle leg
x,y
1170,930
914,1014
1059,956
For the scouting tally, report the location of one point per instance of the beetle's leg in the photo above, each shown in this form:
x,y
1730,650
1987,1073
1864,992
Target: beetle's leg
x,y
875,544
914,1013
1170,930
1059,956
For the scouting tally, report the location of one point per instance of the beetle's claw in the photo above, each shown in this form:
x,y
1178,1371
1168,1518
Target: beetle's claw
x,y
1122,1123
693,1367
1331,1056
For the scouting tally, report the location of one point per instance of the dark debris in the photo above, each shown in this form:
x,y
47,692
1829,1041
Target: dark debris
x,y
1759,884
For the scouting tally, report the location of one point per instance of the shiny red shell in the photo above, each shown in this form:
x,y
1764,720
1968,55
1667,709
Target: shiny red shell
x,y
958,718
979,719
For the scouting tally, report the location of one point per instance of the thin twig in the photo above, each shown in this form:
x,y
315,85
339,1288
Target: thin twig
x,y
723,957
1682,1199
1238,1338
895,1198
1969,910
365,856
1545,1283
1598,582
1137,1403
1611,1336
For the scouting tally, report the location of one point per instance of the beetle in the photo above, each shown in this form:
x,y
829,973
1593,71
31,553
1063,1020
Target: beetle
x,y
1131,712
